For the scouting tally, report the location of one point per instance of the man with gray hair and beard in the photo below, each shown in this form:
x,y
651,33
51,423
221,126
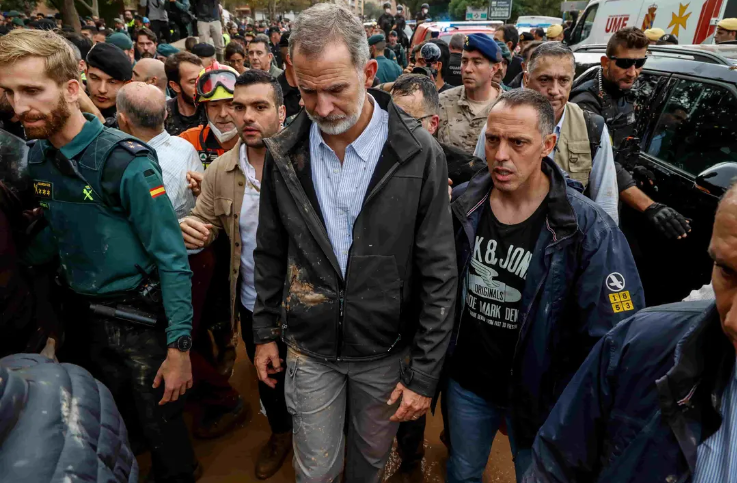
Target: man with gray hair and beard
x,y
354,264
141,113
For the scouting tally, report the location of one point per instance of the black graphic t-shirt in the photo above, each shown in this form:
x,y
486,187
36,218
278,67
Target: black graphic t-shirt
x,y
494,283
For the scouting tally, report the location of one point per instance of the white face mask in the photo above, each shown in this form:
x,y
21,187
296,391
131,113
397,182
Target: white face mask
x,y
388,10
424,10
223,137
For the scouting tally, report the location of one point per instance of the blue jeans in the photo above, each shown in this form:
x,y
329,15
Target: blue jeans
x,y
474,423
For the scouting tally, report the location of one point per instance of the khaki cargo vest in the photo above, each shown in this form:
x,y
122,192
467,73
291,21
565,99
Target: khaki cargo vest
x,y
573,152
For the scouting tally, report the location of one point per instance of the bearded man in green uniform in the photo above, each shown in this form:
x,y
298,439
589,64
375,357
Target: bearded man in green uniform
x,y
115,233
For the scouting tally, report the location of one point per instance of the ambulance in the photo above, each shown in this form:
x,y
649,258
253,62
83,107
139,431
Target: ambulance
x,y
692,21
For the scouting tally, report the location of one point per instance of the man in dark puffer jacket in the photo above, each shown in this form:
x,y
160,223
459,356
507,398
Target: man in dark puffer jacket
x,y
58,424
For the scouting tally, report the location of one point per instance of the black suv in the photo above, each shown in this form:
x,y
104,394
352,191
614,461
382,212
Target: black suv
x,y
686,101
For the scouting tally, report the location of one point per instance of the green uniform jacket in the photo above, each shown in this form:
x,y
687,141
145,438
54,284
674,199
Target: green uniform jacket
x,y
388,71
110,216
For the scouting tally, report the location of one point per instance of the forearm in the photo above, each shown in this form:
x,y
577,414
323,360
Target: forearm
x,y
636,199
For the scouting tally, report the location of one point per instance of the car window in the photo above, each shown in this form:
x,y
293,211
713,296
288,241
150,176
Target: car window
x,y
584,26
644,90
446,37
697,128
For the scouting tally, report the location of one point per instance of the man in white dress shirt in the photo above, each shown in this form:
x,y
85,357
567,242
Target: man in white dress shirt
x,y
141,113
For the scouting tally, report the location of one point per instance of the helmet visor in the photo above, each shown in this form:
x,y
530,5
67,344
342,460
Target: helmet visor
x,y
208,82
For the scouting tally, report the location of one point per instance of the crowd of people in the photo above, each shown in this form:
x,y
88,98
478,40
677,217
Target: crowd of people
x,y
384,228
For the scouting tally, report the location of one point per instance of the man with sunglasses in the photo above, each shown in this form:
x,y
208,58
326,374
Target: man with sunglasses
x,y
607,95
214,91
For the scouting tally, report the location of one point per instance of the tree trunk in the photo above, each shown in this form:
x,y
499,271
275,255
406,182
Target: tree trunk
x,y
94,7
70,16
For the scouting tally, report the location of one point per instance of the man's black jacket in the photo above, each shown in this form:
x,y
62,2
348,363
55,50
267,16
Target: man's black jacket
x,y
400,283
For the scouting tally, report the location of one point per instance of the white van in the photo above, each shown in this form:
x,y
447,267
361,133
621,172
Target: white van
x,y
692,21
527,23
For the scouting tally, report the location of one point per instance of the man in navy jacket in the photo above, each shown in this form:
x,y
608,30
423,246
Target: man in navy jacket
x,y
655,399
545,274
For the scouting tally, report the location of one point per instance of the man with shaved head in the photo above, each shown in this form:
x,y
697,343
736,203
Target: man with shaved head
x,y
655,399
141,113
150,71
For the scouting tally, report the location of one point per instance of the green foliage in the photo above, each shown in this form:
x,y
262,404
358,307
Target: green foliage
x,y
536,7
371,11
457,8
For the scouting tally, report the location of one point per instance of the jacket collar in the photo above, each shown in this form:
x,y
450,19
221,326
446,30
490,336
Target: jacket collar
x,y
401,127
230,158
704,359
561,220
704,351
463,98
91,129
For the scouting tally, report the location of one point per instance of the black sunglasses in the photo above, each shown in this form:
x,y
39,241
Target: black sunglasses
x,y
627,63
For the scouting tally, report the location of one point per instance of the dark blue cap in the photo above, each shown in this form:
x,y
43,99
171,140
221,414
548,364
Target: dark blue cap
x,y
485,45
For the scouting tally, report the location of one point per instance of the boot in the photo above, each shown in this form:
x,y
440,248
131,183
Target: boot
x,y
272,455
216,422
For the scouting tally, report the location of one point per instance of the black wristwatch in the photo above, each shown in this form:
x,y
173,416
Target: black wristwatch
x,y
183,344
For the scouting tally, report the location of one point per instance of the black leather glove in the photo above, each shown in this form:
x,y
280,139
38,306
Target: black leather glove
x,y
670,223
644,177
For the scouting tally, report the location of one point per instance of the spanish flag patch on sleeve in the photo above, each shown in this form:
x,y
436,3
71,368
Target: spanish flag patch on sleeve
x,y
158,191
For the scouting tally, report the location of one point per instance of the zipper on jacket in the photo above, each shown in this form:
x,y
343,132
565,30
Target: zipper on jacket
x,y
399,337
537,290
341,294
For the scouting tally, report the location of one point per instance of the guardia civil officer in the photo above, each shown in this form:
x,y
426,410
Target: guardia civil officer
x,y
115,233
108,70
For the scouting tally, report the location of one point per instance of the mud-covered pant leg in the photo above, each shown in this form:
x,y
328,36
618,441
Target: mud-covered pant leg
x,y
128,357
370,433
316,398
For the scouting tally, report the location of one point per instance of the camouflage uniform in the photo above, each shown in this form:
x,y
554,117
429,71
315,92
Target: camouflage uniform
x,y
459,126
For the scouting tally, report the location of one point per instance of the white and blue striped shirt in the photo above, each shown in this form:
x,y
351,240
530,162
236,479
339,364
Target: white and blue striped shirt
x,y
716,458
340,188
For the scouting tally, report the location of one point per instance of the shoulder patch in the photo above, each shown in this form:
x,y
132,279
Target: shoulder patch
x,y
134,147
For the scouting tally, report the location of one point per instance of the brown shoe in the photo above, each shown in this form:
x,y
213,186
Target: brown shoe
x,y
215,423
272,455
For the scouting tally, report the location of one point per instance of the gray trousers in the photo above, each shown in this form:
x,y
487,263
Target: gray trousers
x,y
320,395
212,33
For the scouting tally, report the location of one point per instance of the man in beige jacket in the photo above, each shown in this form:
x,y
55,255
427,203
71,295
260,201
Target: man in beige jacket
x,y
229,201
